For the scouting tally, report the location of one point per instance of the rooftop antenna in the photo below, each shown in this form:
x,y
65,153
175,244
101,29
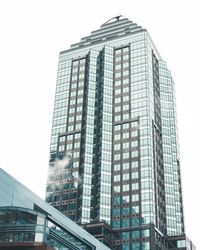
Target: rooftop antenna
x,y
115,18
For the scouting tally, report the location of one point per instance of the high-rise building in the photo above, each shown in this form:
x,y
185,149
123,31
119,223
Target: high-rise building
x,y
114,158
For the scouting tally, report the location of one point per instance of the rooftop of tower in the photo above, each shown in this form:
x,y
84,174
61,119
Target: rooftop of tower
x,y
115,27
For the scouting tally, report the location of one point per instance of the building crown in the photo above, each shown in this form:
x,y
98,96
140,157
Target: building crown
x,y
115,27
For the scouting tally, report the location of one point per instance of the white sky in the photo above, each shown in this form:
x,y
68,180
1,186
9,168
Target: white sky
x,y
32,33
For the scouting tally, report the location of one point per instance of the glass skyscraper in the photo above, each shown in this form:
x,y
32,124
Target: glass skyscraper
x,y
114,159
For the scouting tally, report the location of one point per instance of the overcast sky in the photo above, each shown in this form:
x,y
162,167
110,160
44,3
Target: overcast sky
x,y
33,32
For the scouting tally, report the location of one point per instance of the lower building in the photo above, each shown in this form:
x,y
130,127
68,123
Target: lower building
x,y
151,237
27,222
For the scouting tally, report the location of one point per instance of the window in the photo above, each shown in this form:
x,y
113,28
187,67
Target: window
x,y
125,73
76,155
125,81
126,155
116,167
82,61
125,57
126,49
125,223
80,92
79,100
134,143
125,125
145,246
73,86
126,145
82,68
135,222
73,93
126,236
118,51
117,137
118,83
118,66
39,237
117,74
118,59
75,63
136,234
69,146
117,189
125,65
117,118
62,139
71,119
78,117
134,153
125,107
125,98
116,177
125,166
78,109
134,175
77,145
145,233
134,186
125,177
70,128
116,211
75,70
74,78
61,148
116,224
71,110
134,124
117,100
72,101
135,197
134,133
125,116
70,137
117,146
135,209
117,108
134,164
125,188
117,91
125,135
181,243
117,128
126,199
77,136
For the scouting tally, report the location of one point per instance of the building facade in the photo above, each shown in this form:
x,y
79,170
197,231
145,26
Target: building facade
x,y
29,223
114,154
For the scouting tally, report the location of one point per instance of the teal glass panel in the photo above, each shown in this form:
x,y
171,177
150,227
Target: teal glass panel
x,y
116,224
136,246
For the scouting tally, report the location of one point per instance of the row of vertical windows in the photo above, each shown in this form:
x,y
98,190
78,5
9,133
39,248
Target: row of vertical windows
x,y
135,234
125,155
76,96
125,188
125,182
125,135
126,165
121,94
